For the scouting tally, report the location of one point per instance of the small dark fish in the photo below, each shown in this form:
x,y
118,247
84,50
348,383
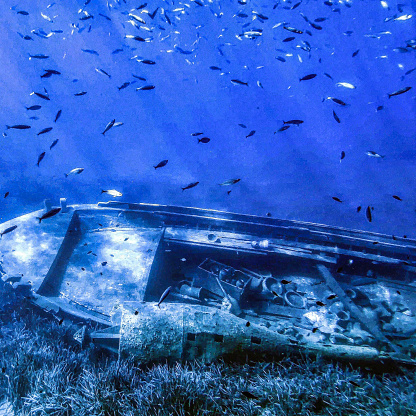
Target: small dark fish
x,y
101,71
320,19
248,324
146,61
106,17
285,282
196,134
295,122
46,130
49,72
289,39
108,126
204,140
230,182
40,158
191,185
342,156
140,78
329,76
315,26
319,303
58,114
330,297
368,214
138,38
283,128
125,85
48,214
34,107
337,101
249,395
55,142
40,95
307,77
146,88
401,91
79,94
23,13
91,51
397,197
355,53
293,30
314,330
228,192
182,51
104,263
61,321
336,199
215,68
38,56
359,208
280,58
242,125
164,295
296,5
6,194
161,164
251,133
237,81
275,294
117,51
8,230
336,117
18,127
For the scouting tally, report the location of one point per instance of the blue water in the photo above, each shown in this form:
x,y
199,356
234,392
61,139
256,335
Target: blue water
x,y
292,174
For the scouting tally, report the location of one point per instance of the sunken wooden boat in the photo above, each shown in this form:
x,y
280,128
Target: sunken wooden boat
x,y
235,284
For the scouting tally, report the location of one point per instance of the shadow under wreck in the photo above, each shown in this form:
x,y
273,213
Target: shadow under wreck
x,y
172,283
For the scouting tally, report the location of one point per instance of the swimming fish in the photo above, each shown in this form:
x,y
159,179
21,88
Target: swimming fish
x,y
8,230
75,171
101,71
53,144
112,192
108,126
307,77
58,114
397,197
46,130
373,154
191,185
91,51
204,140
401,91
161,164
18,127
295,122
251,133
238,82
336,199
342,156
368,214
49,214
34,107
230,182
336,117
40,158
146,88
346,85
164,296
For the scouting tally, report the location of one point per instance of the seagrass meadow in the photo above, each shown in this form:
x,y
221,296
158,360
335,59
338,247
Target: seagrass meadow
x,y
43,372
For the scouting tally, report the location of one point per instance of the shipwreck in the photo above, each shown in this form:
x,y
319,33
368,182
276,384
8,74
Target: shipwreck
x,y
232,284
